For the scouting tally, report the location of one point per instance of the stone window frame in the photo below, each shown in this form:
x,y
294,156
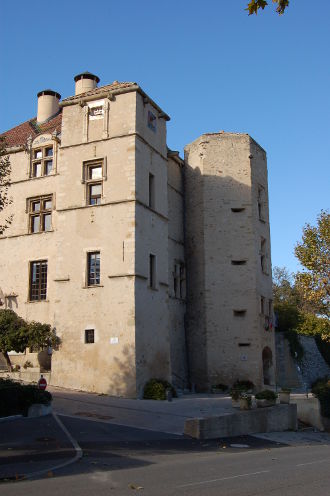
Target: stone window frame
x,y
89,182
261,203
38,289
42,212
43,160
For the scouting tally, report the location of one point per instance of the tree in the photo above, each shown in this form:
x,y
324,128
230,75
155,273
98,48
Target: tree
x,y
313,252
16,334
5,170
255,5
294,313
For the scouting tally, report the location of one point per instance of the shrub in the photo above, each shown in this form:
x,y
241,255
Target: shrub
x,y
27,364
221,387
155,389
243,385
16,398
321,389
266,394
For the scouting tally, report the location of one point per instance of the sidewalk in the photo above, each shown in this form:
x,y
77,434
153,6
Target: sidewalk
x,y
163,416
29,445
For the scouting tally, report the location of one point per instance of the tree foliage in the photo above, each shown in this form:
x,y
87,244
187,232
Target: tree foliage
x,y
313,252
254,6
294,313
5,170
16,334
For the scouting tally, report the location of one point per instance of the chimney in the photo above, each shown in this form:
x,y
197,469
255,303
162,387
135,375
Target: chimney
x,y
85,82
48,105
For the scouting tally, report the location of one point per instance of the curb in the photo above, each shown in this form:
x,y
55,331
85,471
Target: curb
x,y
11,417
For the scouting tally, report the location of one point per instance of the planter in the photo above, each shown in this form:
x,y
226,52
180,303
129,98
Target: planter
x,y
244,404
284,397
265,403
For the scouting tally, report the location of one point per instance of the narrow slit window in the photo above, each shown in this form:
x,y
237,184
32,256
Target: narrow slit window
x,y
238,209
151,190
152,271
238,262
239,313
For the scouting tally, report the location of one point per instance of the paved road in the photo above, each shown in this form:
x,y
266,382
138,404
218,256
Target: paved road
x,y
122,461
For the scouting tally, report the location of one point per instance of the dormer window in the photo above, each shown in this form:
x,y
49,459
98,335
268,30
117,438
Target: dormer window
x,y
42,161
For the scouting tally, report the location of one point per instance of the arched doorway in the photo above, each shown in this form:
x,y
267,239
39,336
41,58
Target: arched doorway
x,y
267,365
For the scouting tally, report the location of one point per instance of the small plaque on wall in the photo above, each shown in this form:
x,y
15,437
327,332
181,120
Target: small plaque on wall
x,y
114,340
243,358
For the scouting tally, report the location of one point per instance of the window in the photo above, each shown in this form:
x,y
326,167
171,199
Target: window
x,y
238,262
89,336
93,268
40,214
151,191
179,280
239,313
152,271
38,280
238,209
94,178
42,161
261,203
263,255
262,305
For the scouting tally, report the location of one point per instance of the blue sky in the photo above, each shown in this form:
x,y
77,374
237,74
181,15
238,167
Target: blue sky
x,y
208,65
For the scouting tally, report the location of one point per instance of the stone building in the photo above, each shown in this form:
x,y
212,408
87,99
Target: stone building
x,y
146,264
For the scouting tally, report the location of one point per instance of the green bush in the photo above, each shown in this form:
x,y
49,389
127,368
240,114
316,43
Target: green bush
x,y
155,389
266,394
16,398
239,387
321,389
244,385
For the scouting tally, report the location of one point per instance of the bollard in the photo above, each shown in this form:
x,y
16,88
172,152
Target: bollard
x,y
169,395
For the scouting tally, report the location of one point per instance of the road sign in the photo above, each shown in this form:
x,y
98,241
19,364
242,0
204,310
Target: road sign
x,y
42,383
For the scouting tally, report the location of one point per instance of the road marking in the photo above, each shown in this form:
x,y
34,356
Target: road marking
x,y
78,455
223,478
312,463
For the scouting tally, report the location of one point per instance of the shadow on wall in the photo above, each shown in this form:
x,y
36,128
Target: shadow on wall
x,y
222,229
123,382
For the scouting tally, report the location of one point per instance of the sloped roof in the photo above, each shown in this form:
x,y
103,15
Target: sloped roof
x,y
109,87
18,135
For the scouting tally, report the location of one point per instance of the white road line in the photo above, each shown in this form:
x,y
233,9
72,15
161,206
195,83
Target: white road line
x,y
78,455
223,478
313,463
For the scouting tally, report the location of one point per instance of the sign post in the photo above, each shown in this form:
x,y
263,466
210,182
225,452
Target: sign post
x,y
42,383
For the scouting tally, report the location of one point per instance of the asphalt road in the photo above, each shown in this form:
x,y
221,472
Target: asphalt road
x,y
122,461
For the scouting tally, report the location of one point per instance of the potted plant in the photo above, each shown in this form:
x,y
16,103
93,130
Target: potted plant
x,y
266,398
238,388
284,396
245,401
